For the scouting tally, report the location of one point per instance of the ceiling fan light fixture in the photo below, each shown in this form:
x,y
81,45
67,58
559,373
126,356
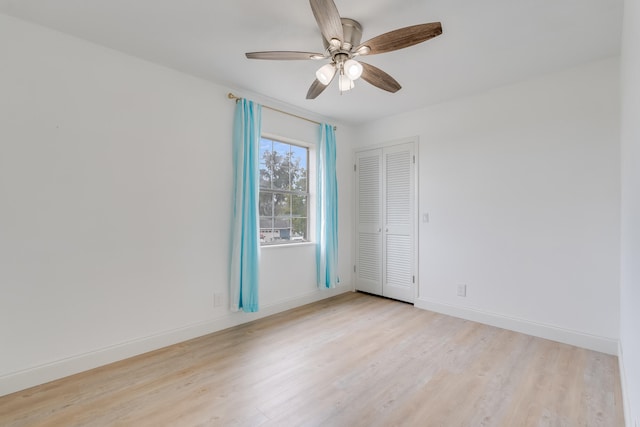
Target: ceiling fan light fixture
x,y
342,41
345,83
325,73
362,50
353,69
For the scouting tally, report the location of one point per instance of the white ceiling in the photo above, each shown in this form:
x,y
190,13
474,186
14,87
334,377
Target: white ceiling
x,y
484,43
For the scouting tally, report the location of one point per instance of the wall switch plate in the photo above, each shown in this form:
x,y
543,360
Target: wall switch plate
x,y
462,290
425,217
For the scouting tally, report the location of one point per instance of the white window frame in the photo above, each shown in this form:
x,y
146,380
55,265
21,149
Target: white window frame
x,y
311,190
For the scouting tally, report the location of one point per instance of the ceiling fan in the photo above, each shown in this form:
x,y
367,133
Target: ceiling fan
x,y
341,37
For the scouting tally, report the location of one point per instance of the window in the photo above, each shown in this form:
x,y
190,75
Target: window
x,y
284,192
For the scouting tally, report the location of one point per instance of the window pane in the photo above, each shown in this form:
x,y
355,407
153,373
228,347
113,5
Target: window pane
x,y
265,177
282,206
280,165
266,222
265,145
266,229
299,229
283,226
298,168
266,204
299,206
265,163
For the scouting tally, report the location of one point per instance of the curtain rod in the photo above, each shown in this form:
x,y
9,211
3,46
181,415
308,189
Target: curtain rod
x,y
237,98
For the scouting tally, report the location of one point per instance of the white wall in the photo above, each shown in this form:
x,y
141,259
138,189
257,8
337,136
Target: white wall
x,y
630,272
287,268
115,183
522,188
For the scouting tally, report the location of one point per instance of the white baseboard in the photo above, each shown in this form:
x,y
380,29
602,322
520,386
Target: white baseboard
x,y
41,374
554,333
626,404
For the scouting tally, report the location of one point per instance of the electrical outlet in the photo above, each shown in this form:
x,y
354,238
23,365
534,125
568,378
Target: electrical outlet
x,y
462,290
217,299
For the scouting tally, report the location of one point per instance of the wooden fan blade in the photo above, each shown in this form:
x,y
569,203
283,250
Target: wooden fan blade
x,y
328,19
316,89
379,78
284,55
402,37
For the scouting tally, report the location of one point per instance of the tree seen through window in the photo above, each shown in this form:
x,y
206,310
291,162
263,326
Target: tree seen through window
x,y
284,192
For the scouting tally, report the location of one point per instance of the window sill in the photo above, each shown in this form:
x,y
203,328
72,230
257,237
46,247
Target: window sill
x,y
288,245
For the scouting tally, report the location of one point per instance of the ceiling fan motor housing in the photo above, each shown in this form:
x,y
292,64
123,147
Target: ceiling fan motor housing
x,y
352,31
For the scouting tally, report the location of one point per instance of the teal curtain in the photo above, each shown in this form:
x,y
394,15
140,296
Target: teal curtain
x,y
245,234
327,210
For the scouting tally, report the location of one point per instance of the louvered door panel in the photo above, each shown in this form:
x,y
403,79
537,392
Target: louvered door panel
x,y
399,261
369,221
369,184
398,191
398,248
369,257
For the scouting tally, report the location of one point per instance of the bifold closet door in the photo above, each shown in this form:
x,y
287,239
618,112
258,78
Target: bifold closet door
x,y
385,218
398,278
369,221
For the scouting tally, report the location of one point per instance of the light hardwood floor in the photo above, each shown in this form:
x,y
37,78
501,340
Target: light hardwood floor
x,y
351,360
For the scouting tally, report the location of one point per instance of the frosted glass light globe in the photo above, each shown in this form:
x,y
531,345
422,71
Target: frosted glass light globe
x,y
353,69
325,74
